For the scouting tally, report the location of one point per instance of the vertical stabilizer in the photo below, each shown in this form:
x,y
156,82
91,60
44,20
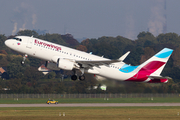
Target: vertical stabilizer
x,y
157,62
151,69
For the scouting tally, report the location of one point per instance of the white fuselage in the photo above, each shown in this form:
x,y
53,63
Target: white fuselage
x,y
61,57
46,51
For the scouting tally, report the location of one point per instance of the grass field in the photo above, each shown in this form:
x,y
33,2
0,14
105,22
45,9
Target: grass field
x,y
92,100
91,113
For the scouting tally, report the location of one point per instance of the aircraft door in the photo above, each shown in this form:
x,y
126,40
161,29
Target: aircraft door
x,y
29,43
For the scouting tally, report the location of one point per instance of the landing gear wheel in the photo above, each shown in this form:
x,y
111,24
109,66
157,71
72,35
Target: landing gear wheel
x,y
22,62
74,77
82,78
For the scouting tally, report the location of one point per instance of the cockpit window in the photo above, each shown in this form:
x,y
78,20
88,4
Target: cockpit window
x,y
19,39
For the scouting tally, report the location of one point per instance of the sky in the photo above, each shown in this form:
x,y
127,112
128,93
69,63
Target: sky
x,y
90,18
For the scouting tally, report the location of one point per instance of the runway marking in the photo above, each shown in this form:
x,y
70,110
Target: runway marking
x,y
91,105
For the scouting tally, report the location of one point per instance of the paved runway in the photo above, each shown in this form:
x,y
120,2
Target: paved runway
x,y
91,105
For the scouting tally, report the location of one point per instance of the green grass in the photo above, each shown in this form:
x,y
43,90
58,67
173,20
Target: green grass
x,y
90,113
91,100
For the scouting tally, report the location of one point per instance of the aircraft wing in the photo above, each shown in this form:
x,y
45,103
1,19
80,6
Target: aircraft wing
x,y
96,63
103,62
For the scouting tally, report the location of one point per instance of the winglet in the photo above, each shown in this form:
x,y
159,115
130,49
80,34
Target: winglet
x,y
124,56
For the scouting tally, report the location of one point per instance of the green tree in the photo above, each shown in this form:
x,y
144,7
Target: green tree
x,y
145,39
172,38
52,75
55,38
31,74
27,33
15,69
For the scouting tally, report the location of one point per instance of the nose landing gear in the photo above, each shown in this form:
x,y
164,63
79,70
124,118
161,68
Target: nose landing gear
x,y
24,58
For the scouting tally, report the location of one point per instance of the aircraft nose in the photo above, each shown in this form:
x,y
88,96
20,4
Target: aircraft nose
x,y
7,43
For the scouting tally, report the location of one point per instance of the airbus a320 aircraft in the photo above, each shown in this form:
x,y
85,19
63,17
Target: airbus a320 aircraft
x,y
60,57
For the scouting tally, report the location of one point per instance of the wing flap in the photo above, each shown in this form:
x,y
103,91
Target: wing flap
x,y
97,63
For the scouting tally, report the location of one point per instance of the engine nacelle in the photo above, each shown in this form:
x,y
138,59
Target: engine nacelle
x,y
65,64
51,65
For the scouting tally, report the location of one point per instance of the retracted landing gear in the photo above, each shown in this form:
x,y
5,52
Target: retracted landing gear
x,y
24,58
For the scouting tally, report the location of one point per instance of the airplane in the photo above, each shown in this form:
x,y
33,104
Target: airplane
x,y
60,57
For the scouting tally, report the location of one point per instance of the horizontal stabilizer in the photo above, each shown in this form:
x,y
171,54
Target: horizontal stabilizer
x,y
158,77
124,56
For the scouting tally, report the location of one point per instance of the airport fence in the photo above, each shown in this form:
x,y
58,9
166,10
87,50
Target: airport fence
x,y
165,95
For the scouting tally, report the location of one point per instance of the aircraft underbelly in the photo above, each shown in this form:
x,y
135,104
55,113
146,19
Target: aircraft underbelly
x,y
114,74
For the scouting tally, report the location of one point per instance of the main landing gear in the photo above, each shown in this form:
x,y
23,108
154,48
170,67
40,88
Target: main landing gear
x,y
81,77
24,58
74,77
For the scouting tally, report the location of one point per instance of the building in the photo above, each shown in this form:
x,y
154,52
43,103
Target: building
x,y
1,71
43,69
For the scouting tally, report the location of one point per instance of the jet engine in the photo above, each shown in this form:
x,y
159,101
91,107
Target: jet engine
x,y
65,64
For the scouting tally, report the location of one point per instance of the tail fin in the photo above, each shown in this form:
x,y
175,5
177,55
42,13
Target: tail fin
x,y
158,61
151,69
